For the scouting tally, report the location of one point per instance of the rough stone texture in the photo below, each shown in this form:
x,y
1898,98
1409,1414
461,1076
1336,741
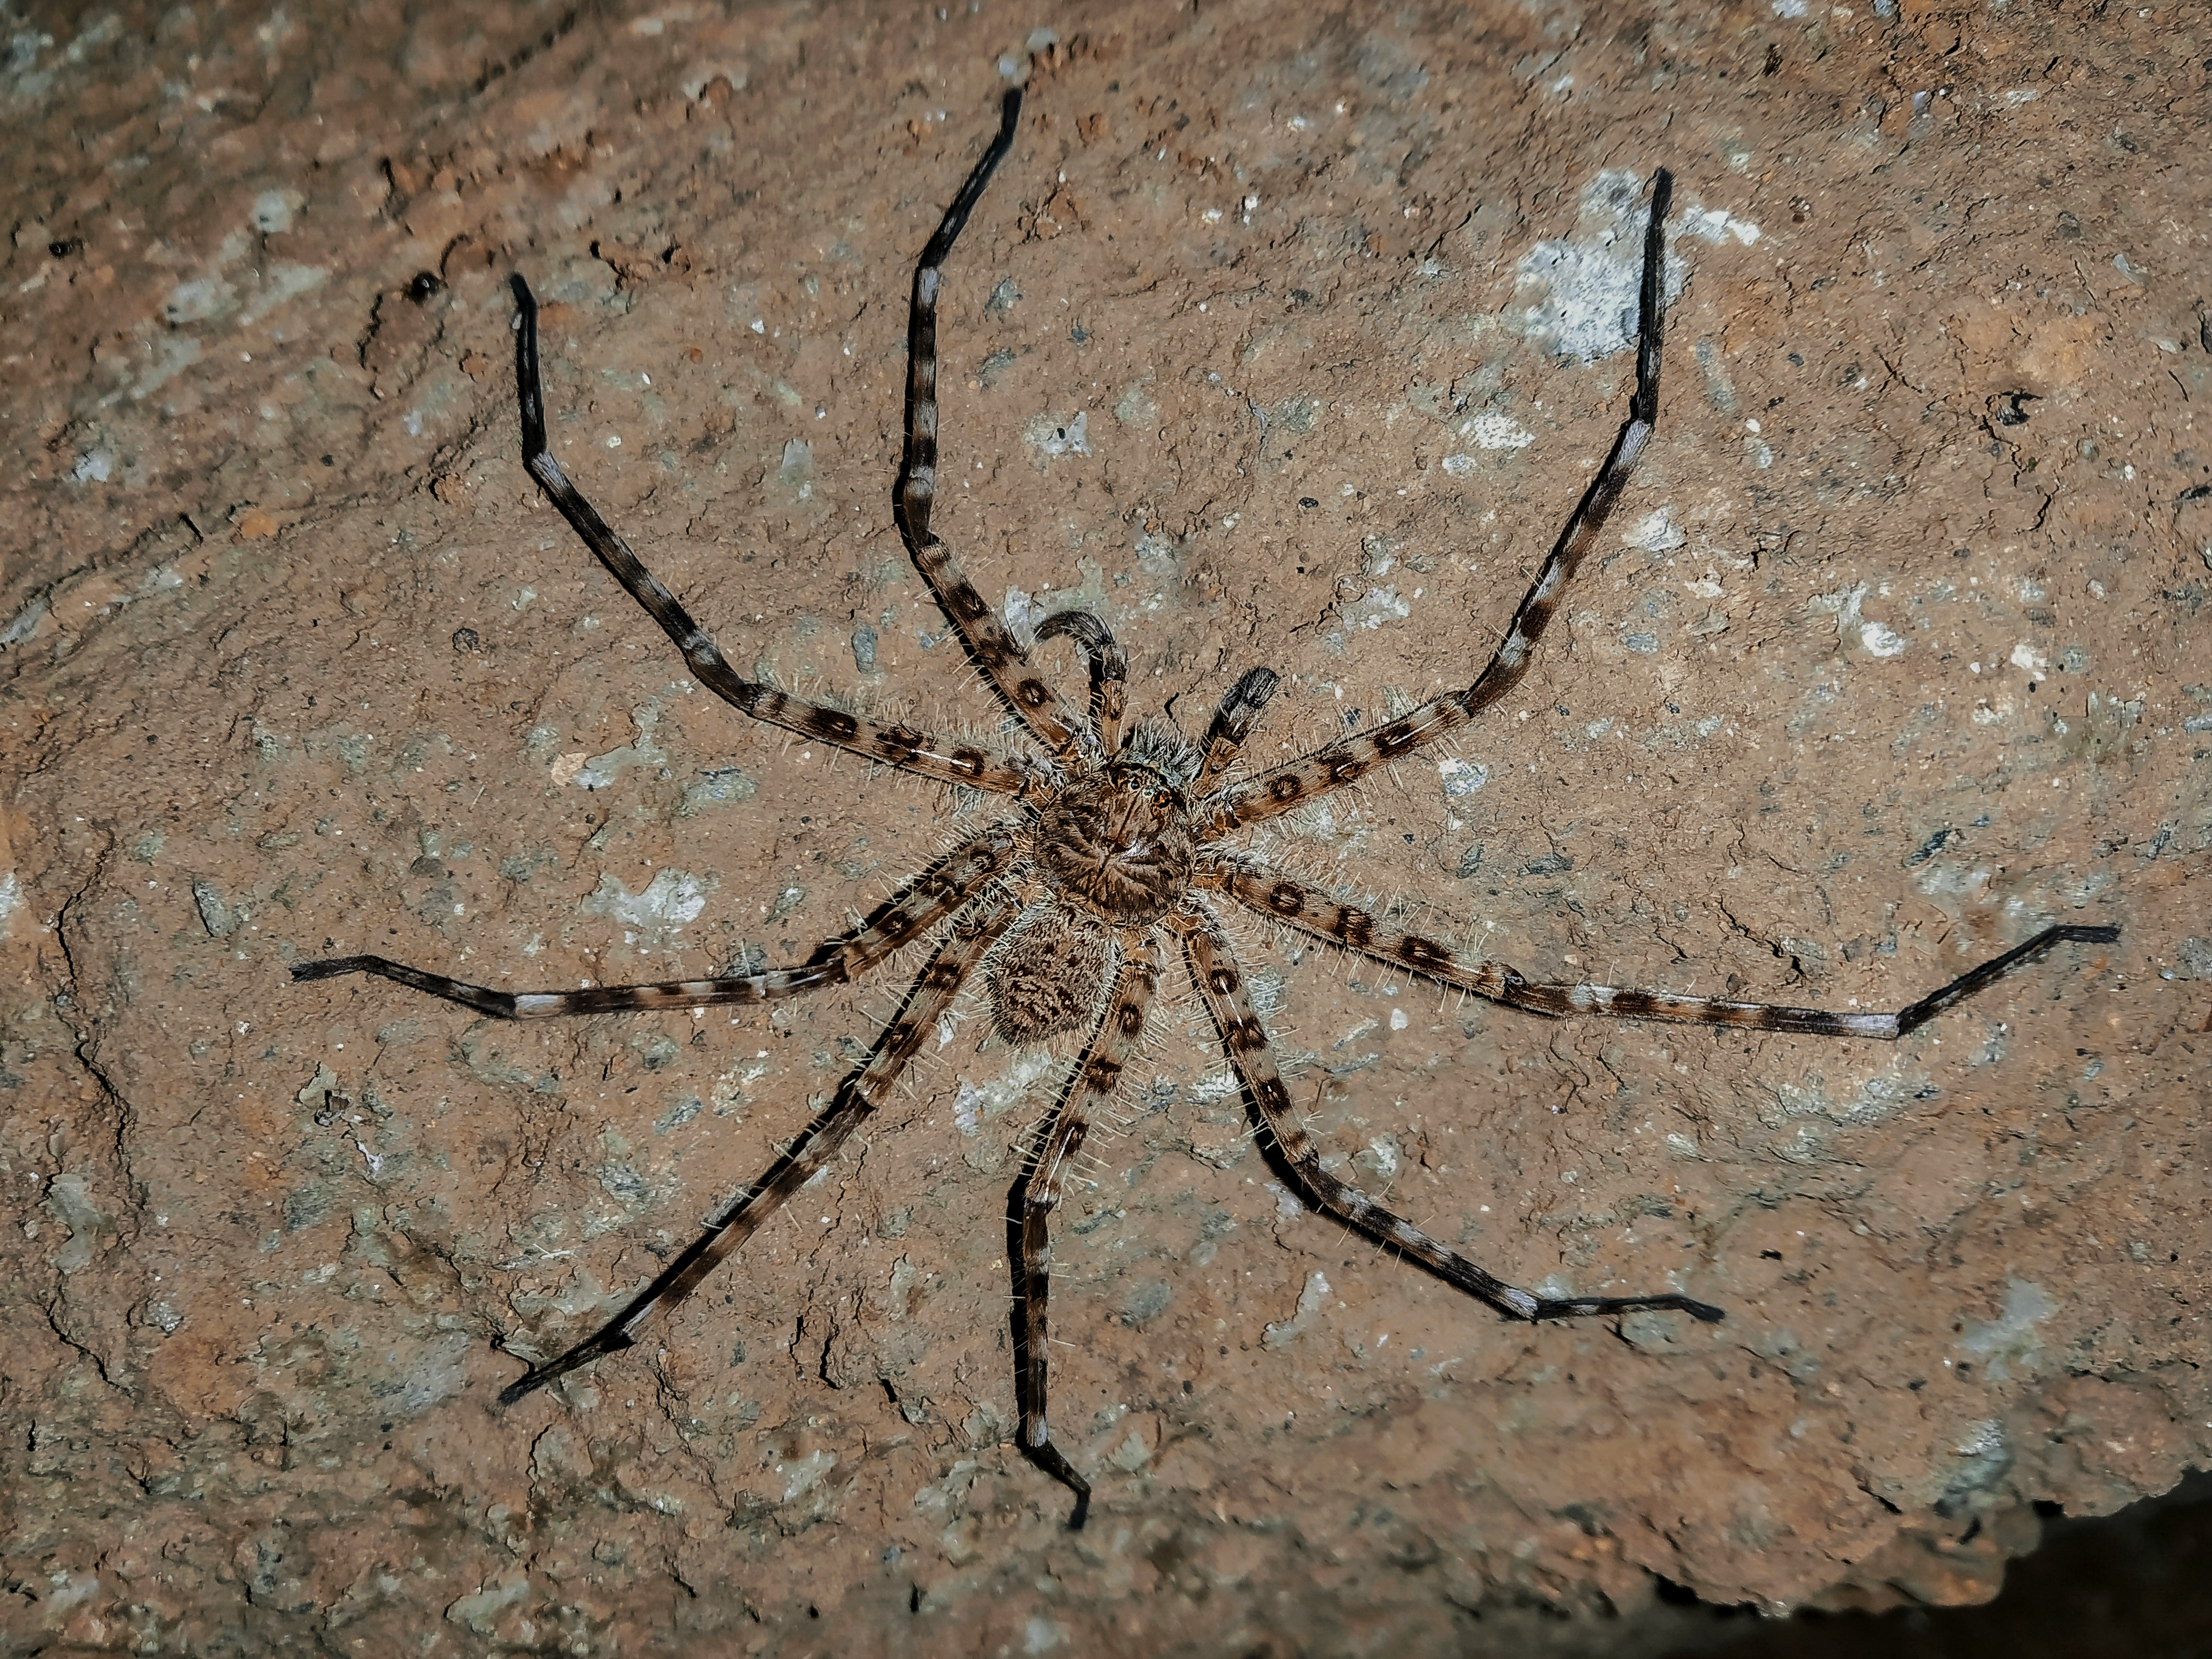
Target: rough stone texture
x,y
1281,337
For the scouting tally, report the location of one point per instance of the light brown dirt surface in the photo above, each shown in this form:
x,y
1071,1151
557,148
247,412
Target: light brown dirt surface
x,y
1283,337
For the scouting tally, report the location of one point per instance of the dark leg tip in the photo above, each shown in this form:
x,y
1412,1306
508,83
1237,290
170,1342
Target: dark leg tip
x,y
329,967
2101,933
1082,1511
521,1386
1598,1306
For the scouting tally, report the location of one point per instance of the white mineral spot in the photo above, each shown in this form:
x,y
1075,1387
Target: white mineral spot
x,y
671,899
1310,1302
1491,430
1716,224
2010,1338
281,282
197,300
1379,606
1581,292
1461,777
703,75
273,210
1054,434
803,1475
1656,532
1880,641
1023,613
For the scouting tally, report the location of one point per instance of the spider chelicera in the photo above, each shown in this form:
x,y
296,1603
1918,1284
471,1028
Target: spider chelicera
x,y
1115,854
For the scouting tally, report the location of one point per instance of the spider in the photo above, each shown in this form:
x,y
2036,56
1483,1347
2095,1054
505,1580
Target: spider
x,y
1114,853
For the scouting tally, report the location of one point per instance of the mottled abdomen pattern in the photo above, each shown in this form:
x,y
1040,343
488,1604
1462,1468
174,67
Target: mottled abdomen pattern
x,y
1048,974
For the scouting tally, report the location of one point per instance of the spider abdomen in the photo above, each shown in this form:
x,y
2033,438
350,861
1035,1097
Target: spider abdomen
x,y
1119,843
1049,975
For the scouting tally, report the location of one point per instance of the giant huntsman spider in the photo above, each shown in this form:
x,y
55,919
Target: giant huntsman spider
x,y
1115,850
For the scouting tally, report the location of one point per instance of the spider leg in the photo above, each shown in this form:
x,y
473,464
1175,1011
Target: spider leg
x,y
909,914
1233,722
1221,985
735,1222
900,746
1274,793
1003,662
1037,1194
1109,669
1309,910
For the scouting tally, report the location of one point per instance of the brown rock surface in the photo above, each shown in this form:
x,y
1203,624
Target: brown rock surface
x,y
1282,337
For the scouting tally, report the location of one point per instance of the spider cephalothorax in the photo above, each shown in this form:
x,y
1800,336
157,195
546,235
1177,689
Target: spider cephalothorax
x,y
1112,856
1119,843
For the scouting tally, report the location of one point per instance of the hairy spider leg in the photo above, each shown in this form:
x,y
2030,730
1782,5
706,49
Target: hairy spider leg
x,y
973,934
1108,665
899,746
1307,909
1215,969
1274,793
1233,722
909,915
1038,1192
1004,663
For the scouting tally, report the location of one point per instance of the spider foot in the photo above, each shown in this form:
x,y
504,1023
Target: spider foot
x,y
578,1357
1583,1307
333,967
1049,1458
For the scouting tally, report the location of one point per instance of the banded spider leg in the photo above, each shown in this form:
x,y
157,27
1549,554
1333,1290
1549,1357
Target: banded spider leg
x,y
1306,909
1038,1192
931,996
1276,791
1005,665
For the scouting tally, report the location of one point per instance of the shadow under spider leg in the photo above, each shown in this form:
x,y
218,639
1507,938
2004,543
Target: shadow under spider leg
x,y
931,996
1221,984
